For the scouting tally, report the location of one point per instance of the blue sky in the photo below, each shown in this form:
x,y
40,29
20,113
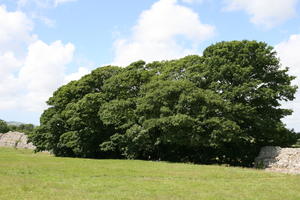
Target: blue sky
x,y
46,43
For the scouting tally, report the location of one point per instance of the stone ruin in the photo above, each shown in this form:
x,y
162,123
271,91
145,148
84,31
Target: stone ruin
x,y
279,159
15,139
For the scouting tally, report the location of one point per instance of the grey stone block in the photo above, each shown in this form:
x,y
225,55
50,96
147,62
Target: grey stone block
x,y
279,159
16,140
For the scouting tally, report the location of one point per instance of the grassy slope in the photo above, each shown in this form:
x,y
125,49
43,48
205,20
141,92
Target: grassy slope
x,y
24,175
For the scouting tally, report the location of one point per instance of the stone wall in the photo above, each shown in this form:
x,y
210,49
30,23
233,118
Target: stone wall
x,y
16,140
279,159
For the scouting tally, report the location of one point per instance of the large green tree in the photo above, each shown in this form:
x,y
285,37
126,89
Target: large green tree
x,y
217,108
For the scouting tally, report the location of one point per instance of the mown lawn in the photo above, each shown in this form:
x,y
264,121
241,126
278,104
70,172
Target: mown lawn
x,y
25,175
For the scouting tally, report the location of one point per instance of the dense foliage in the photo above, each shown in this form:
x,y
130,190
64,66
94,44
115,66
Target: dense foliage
x,y
20,127
3,126
217,108
24,128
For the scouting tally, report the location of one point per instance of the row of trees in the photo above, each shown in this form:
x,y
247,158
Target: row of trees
x,y
25,128
221,107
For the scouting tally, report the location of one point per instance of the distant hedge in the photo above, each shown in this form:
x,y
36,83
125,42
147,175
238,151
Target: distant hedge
x,y
24,128
217,108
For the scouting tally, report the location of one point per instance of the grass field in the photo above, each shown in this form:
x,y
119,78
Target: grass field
x,y
25,175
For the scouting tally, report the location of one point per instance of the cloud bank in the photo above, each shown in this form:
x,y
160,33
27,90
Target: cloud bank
x,y
167,30
266,13
30,69
288,52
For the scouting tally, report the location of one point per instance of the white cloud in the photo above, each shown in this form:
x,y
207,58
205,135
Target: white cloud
x,y
268,13
41,73
43,3
15,28
76,75
15,31
288,52
38,3
166,31
29,78
9,63
57,2
45,20
192,1
35,5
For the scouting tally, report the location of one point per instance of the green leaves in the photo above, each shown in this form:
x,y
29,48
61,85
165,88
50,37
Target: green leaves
x,y
3,126
217,108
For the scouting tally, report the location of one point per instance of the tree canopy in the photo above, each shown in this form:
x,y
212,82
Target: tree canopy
x,y
217,108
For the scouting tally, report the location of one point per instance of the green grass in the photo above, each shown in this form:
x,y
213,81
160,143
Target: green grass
x,y
25,175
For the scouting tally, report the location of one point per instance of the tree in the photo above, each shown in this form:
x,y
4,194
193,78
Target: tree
x,y
221,107
24,128
3,126
70,126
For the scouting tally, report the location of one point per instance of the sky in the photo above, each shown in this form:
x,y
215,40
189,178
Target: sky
x,y
47,43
